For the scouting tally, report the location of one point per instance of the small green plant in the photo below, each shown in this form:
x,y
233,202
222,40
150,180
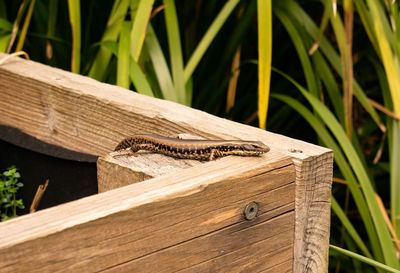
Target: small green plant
x,y
9,186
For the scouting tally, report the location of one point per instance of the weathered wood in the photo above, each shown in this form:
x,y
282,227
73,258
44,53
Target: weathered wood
x,y
133,169
164,224
313,203
85,115
69,110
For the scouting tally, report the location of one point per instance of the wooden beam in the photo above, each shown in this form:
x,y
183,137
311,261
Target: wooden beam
x,y
186,222
84,115
116,170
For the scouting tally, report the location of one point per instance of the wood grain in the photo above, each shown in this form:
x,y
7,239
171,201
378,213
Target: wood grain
x,y
164,224
117,169
313,204
84,115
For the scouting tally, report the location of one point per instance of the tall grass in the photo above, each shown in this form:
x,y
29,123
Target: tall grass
x,y
334,127
158,77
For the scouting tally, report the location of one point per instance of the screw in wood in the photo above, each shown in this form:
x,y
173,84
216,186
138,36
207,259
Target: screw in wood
x,y
293,150
251,211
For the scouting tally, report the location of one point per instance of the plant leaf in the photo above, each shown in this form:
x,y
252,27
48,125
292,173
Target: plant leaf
x,y
74,8
385,239
111,34
208,38
175,51
160,65
123,63
139,80
264,17
138,33
24,30
364,259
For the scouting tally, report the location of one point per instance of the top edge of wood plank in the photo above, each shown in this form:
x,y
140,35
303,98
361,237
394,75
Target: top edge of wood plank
x,y
170,186
200,122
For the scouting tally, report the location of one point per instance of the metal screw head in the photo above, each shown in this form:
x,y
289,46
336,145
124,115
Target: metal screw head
x,y
293,150
251,211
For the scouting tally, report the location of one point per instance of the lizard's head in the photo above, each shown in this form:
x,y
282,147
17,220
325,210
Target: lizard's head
x,y
256,146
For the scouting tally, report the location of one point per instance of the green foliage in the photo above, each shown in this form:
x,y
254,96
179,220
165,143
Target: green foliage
x,y
9,186
365,259
366,228
142,53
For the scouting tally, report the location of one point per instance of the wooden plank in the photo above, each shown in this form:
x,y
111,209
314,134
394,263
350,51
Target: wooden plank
x,y
159,218
253,257
313,203
283,267
84,115
115,170
245,247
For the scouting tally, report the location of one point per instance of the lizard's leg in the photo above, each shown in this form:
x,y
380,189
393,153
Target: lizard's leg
x,y
123,152
214,154
131,151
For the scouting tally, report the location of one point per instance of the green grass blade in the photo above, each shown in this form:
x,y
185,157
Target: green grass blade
x,y
389,53
295,11
395,15
24,30
395,176
160,65
5,25
110,46
211,80
363,259
175,50
367,21
357,265
138,33
74,9
344,41
111,33
344,168
16,23
146,65
139,79
123,63
208,38
329,80
322,27
384,236
4,41
301,50
189,91
390,61
264,17
51,27
393,134
5,28
349,227
116,12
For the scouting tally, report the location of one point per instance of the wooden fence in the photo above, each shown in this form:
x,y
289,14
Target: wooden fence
x,y
154,213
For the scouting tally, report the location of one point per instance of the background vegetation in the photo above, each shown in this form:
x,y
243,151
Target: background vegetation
x,y
9,186
327,72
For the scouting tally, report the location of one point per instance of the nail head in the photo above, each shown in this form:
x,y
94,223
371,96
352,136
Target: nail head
x,y
251,211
